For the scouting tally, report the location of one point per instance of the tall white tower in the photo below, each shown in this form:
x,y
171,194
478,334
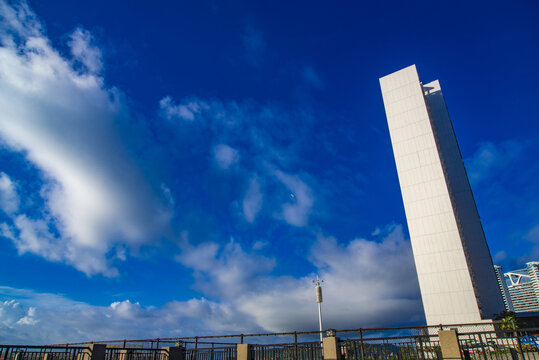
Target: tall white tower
x,y
454,267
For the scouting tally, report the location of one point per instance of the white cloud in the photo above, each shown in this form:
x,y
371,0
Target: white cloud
x,y
9,200
83,51
490,158
225,156
252,202
296,211
35,237
65,121
30,317
367,283
181,111
223,271
19,18
260,244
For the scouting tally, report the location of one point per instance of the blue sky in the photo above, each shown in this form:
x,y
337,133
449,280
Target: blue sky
x,y
186,168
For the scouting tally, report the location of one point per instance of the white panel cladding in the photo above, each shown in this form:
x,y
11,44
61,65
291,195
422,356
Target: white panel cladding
x,y
444,278
471,232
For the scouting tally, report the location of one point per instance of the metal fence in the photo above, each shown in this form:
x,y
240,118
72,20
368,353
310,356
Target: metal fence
x,y
134,353
500,344
28,352
397,347
296,351
482,341
214,352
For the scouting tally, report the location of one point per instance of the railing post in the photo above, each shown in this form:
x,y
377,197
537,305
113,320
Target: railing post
x,y
331,348
295,345
421,351
93,352
361,348
243,352
173,353
123,354
449,342
519,344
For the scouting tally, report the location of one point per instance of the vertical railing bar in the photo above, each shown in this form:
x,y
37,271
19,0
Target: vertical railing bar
x,y
295,345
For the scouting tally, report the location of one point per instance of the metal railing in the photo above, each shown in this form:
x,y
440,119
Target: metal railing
x,y
481,341
412,347
295,351
211,353
135,353
521,344
29,352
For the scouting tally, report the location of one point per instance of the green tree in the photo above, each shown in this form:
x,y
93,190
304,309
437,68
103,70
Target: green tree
x,y
508,320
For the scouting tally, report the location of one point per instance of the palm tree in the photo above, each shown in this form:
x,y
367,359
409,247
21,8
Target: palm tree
x,y
508,320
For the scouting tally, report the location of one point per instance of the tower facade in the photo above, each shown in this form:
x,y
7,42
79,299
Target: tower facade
x,y
522,287
504,290
454,267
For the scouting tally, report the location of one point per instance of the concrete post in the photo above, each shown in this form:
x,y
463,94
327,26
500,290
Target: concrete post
x,y
174,353
93,352
243,352
123,354
449,342
331,348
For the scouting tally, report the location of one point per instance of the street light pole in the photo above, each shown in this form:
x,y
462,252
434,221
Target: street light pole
x,y
318,292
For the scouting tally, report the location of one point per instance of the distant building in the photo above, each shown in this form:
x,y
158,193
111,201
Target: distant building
x,y
454,267
502,284
520,288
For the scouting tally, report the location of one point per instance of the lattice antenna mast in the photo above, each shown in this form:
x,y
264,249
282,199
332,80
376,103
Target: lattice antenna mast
x,y
319,299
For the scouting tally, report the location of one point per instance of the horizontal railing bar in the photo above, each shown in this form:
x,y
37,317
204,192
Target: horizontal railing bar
x,y
134,349
396,337
64,347
289,333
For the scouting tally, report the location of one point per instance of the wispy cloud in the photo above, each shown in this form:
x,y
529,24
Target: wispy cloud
x,y
296,211
225,156
360,288
249,298
224,271
252,202
182,111
9,200
30,317
65,121
227,127
491,158
84,52
100,203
